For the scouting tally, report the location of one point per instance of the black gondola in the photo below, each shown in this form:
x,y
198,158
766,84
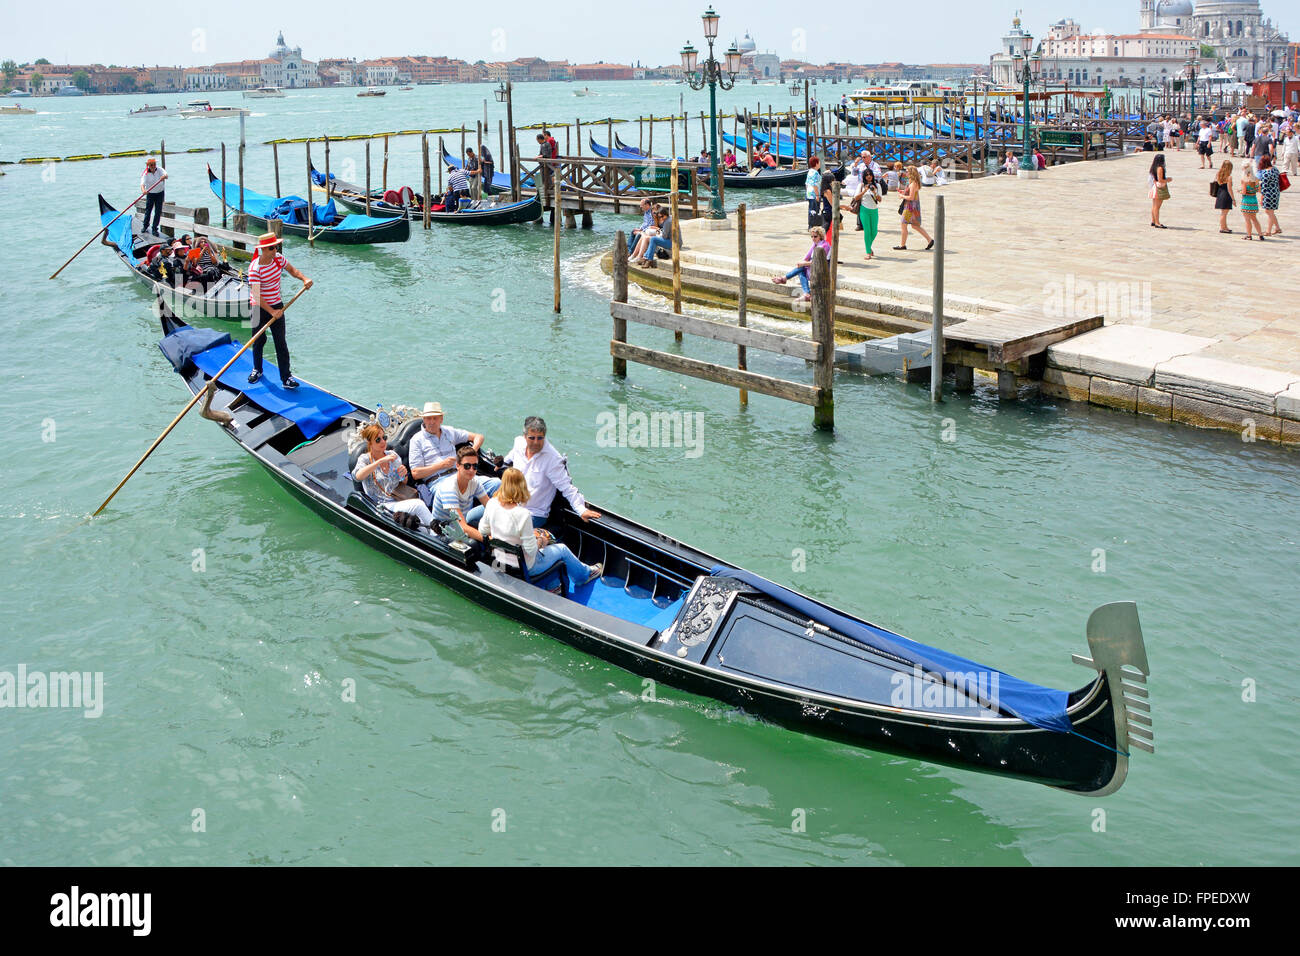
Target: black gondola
x,y
849,118
345,230
410,205
765,178
671,612
226,298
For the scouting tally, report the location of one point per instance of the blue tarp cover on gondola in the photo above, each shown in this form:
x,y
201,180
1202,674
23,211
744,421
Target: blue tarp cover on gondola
x,y
264,207
310,408
119,234
1041,706
318,177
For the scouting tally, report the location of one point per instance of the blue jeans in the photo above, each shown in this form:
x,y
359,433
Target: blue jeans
x,y
657,243
802,273
552,555
153,203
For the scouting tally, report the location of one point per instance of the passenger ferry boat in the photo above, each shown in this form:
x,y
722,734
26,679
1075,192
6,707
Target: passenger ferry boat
x,y
373,92
264,93
909,92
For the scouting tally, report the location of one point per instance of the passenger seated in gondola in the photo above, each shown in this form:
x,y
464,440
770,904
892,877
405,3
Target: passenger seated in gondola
x,y
507,519
729,161
382,476
768,159
454,495
546,472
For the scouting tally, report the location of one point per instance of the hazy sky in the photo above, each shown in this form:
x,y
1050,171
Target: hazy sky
x,y
928,31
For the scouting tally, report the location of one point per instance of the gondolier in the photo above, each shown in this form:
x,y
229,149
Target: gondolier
x,y
489,166
264,280
151,184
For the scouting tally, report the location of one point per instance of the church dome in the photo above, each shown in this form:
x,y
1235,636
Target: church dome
x,y
747,45
1173,8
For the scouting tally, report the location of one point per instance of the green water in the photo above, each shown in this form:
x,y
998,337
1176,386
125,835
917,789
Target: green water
x,y
224,687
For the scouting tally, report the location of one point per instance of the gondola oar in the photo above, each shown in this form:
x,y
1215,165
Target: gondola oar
x,y
102,229
206,391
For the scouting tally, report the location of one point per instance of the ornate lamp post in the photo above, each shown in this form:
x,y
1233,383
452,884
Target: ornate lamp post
x,y
712,74
1028,66
1191,72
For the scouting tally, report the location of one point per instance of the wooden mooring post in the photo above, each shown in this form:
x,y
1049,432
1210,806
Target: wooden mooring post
x,y
620,295
742,300
675,237
823,333
557,215
223,185
936,316
367,178
424,149
311,216
275,158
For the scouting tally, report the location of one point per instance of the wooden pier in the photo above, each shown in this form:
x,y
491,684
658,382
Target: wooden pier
x,y
1010,343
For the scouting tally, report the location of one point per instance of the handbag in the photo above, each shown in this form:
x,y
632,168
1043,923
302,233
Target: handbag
x,y
1214,189
1162,192
855,204
900,206
1283,182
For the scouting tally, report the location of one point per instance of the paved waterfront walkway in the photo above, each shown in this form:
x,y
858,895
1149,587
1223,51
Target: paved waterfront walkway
x,y
1019,242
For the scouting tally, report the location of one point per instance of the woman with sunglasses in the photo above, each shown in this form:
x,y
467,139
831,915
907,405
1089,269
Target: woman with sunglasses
x,y
382,473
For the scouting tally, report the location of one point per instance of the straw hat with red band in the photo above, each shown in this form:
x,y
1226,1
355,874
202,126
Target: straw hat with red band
x,y
269,240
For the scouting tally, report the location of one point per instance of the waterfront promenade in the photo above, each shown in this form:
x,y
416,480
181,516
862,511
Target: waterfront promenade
x,y
1198,304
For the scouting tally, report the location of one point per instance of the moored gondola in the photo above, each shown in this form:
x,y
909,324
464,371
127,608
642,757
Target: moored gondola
x,y
763,178
665,610
225,298
409,204
326,225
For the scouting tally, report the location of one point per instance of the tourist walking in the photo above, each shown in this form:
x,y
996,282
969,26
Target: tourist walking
x,y
1289,151
264,285
1270,192
910,208
1263,145
1224,198
1250,202
151,184
1158,189
1204,146
866,204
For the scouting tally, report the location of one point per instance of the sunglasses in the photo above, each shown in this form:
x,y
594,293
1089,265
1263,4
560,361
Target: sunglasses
x,y
469,466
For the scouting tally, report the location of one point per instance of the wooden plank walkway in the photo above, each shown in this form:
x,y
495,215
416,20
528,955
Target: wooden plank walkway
x,y
1016,334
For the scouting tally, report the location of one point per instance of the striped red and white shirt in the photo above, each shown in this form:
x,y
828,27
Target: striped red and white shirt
x,y
268,276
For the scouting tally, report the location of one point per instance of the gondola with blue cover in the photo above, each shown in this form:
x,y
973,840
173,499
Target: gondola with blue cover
x,y
763,178
409,204
668,611
327,225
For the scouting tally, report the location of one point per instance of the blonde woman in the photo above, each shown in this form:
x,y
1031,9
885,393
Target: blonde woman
x,y
910,193
507,520
381,473
1224,197
1250,202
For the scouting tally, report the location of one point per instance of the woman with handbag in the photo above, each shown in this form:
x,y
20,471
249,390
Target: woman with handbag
x,y
1270,192
910,208
1224,199
1250,203
865,204
1159,189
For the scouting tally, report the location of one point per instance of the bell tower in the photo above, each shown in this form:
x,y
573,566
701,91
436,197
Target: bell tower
x,y
1146,14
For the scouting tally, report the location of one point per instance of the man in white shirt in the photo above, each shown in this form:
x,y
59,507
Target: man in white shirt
x,y
546,471
151,184
432,452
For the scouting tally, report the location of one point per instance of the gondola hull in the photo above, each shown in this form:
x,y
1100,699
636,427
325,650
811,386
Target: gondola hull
x,y
765,178
682,643
227,299
347,233
481,212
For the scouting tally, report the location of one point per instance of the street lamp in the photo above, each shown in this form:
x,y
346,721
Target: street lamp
x,y
713,74
1191,72
1028,65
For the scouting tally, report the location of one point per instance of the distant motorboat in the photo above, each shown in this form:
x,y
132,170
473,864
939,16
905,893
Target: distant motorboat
x,y
19,93
70,91
16,111
148,110
208,111
264,93
585,91
404,88
373,92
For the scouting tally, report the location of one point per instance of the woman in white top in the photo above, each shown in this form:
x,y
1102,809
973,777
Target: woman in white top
x,y
381,471
506,519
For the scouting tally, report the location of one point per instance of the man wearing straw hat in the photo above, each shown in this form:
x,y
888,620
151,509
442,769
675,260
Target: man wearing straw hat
x,y
264,279
433,450
151,184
